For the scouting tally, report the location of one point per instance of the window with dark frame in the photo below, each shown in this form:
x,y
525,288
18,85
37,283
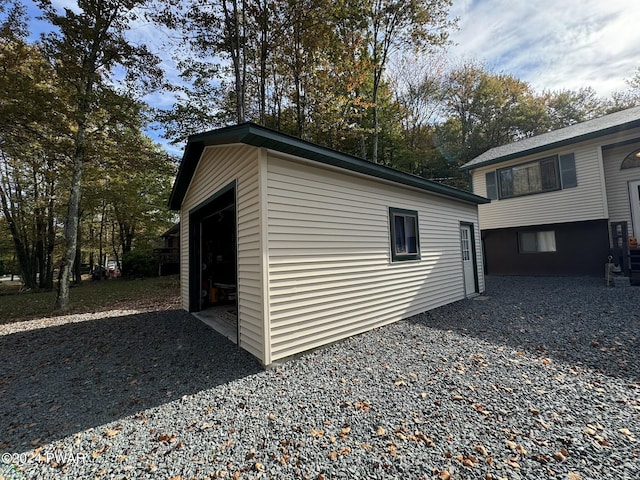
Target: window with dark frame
x,y
549,174
542,175
537,242
405,236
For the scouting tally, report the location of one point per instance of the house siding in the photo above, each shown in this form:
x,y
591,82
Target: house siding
x,y
585,202
218,167
582,248
330,273
617,182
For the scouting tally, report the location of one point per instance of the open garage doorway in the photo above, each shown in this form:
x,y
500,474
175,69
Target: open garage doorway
x,y
213,257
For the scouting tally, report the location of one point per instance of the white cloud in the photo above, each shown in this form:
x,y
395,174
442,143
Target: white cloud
x,y
552,44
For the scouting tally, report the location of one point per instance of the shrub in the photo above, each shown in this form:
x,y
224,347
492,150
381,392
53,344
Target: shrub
x,y
140,263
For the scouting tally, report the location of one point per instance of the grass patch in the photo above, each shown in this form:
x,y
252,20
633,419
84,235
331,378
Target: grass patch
x,y
151,293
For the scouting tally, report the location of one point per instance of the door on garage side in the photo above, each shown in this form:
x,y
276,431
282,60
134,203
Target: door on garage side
x,y
467,245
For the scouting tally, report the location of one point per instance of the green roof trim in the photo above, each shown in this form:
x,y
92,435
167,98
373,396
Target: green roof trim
x,y
258,136
613,123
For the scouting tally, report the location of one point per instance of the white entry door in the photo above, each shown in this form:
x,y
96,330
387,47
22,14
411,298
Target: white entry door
x,y
468,260
634,197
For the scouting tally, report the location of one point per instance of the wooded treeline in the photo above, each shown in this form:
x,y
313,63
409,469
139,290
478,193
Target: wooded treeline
x,y
371,78
77,172
367,77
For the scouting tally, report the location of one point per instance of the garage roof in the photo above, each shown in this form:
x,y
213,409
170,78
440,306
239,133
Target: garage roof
x,y
608,124
258,136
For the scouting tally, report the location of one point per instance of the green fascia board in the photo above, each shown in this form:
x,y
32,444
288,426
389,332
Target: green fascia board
x,y
258,136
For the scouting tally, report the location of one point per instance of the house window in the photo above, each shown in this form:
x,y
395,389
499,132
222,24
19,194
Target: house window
x,y
537,242
405,237
533,177
631,161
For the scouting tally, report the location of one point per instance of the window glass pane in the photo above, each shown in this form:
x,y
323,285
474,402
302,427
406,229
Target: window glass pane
x,y
401,245
546,241
506,183
534,242
527,242
411,232
526,179
533,177
549,174
631,161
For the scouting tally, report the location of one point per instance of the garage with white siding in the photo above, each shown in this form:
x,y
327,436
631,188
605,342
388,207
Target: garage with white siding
x,y
297,246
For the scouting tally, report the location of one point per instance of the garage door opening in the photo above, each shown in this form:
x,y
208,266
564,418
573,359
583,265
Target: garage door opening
x,y
214,285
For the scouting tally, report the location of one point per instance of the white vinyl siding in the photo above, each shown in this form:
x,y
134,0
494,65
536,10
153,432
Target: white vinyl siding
x,y
587,201
218,167
330,271
618,183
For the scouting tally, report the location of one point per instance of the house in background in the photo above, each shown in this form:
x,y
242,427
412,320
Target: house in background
x,y
563,201
297,245
168,256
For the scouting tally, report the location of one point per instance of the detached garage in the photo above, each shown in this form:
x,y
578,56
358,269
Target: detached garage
x,y
293,245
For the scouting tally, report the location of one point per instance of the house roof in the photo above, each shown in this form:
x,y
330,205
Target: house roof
x,y
606,125
258,136
173,231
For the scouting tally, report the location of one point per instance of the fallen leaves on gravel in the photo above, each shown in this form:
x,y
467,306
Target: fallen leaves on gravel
x,y
468,461
628,435
166,438
481,450
444,475
111,432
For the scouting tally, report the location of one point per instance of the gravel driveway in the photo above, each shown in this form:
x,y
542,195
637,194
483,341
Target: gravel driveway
x,y
538,378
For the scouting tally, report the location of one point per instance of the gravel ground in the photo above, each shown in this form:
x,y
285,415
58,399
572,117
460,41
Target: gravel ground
x,y
538,378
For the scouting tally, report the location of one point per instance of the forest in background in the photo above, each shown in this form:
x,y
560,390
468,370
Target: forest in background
x,y
81,178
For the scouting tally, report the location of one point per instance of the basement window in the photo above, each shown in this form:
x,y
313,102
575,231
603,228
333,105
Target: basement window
x,y
537,242
405,236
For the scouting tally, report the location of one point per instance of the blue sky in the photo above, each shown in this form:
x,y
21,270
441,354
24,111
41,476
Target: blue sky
x,y
553,44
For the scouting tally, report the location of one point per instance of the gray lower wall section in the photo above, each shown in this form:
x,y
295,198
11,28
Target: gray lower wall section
x,y
582,248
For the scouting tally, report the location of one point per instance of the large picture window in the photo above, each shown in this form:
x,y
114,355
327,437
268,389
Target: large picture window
x,y
544,175
405,236
537,242
533,177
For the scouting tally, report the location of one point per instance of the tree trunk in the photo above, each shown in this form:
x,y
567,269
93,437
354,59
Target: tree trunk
x,y
377,75
71,225
235,33
77,273
113,245
374,147
26,262
101,235
264,53
51,239
73,207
